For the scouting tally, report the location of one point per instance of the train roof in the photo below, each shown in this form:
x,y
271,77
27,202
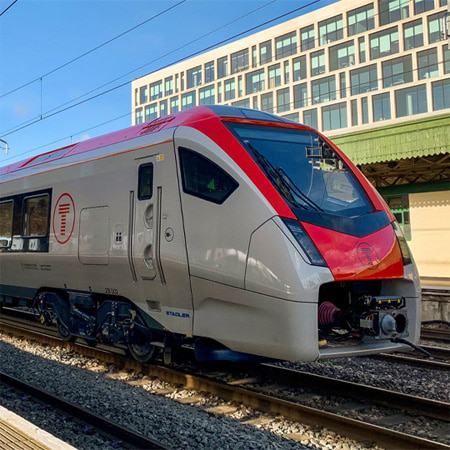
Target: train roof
x,y
182,118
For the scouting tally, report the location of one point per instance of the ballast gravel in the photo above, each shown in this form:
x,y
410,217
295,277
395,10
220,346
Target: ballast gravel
x,y
179,418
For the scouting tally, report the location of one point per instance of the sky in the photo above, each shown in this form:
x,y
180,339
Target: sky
x,y
37,37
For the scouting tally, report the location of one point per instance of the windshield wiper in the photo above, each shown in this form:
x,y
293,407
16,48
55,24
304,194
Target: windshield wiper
x,y
282,180
297,190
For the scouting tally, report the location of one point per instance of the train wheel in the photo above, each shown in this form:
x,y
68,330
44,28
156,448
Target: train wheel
x,y
64,332
140,347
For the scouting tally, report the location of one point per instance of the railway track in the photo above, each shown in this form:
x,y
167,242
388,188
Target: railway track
x,y
128,439
243,390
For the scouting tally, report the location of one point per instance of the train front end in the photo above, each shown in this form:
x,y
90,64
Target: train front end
x,y
355,266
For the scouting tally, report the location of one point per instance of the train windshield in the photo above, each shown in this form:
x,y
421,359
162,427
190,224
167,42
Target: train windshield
x,y
305,169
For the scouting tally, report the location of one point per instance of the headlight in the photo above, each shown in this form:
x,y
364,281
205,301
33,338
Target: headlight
x,y
305,242
406,254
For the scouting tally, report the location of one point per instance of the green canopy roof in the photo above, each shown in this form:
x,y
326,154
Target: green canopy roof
x,y
418,138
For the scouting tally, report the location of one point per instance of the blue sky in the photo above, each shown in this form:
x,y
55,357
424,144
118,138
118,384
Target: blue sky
x,y
38,36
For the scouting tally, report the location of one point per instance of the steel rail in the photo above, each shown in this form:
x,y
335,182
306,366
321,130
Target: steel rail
x,y
352,428
420,362
130,438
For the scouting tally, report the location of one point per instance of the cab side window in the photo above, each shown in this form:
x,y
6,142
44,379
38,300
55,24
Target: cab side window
x,y
36,212
145,183
203,178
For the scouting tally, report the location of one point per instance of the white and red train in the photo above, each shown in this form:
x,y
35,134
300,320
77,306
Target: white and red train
x,y
231,230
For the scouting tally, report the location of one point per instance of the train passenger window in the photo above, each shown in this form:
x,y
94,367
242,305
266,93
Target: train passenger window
x,y
145,182
36,212
204,179
6,223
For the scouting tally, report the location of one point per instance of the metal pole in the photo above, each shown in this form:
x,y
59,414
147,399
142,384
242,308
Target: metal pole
x,y
1,140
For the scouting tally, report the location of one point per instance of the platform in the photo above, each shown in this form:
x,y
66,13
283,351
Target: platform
x,y
17,433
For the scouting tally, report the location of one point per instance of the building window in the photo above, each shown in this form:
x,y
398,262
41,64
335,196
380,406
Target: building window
x,y
155,90
207,95
354,112
267,102
443,2
174,105
139,116
265,52
222,67
393,10
317,63
194,77
286,72
334,116
254,56
255,102
342,85
397,71
283,100
441,94
143,94
331,30
239,61
384,43
381,107
435,27
310,118
230,89
421,6
274,76
307,41
286,45
292,116
411,101
413,34
163,108
136,97
300,95
427,63
188,100
244,103
203,178
209,72
364,79
36,211
168,85
365,110
240,86
299,68
360,19
323,90
254,81
219,92
342,55
6,223
399,206
362,49
151,112
182,81
446,52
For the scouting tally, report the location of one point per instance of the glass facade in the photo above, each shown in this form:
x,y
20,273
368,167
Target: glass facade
x,y
339,71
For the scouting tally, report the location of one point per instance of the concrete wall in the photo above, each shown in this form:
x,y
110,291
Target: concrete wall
x,y
430,226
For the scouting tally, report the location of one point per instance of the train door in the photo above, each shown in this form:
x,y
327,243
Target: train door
x,y
158,250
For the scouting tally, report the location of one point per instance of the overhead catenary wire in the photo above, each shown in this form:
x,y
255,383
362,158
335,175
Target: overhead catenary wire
x,y
92,49
249,30
6,9
292,103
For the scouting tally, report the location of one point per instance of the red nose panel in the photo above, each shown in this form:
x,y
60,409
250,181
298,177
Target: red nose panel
x,y
371,257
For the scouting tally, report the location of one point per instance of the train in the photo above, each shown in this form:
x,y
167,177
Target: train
x,y
236,233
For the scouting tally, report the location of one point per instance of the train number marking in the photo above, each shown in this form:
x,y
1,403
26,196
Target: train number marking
x,y
64,218
111,291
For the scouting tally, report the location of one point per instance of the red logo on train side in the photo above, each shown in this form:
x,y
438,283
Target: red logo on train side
x,y
63,218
